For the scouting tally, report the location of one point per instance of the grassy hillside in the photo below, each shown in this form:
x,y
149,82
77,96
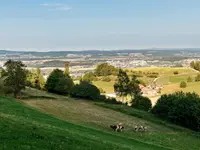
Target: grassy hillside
x,y
98,116
23,127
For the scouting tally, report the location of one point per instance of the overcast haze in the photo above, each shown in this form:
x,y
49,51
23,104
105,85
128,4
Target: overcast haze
x,y
99,24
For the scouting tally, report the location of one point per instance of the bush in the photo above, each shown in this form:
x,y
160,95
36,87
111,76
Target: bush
x,y
106,79
179,108
58,83
197,78
85,90
176,72
64,86
189,79
183,84
141,102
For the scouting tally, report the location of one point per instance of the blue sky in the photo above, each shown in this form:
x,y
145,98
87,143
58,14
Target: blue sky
x,y
99,24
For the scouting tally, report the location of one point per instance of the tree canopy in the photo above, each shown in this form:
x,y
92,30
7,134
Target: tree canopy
x,y
85,90
59,83
35,79
122,84
104,69
179,108
15,76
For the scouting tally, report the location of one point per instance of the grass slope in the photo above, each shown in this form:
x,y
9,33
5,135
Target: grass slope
x,y
99,116
23,127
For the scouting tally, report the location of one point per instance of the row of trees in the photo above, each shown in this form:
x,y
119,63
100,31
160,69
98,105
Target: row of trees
x,y
16,77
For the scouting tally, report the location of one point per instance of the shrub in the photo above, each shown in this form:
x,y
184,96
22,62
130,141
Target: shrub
x,y
141,102
176,72
197,78
179,108
58,83
85,90
64,86
189,79
183,84
106,79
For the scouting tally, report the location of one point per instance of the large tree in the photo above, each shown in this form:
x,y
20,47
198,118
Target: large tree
x,y
122,83
125,86
15,73
59,83
85,90
134,89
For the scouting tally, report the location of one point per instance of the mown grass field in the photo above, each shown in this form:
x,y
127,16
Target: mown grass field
x,y
23,127
86,120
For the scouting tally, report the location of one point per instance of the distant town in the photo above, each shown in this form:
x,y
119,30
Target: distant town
x,y
85,61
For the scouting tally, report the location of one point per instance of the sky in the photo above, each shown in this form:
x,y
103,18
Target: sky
x,y
44,25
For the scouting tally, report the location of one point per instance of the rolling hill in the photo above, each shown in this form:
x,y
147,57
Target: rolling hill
x,y
48,121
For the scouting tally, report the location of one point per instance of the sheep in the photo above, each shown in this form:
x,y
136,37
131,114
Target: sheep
x,y
140,128
117,128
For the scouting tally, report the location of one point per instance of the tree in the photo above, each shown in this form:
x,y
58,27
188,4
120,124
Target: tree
x,y
85,90
189,79
35,79
122,84
183,84
64,86
15,76
41,81
66,72
105,69
134,89
58,83
179,108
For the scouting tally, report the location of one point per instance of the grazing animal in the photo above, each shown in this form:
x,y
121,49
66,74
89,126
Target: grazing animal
x,y
117,128
140,128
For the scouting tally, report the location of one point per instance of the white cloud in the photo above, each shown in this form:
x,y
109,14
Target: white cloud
x,y
56,6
